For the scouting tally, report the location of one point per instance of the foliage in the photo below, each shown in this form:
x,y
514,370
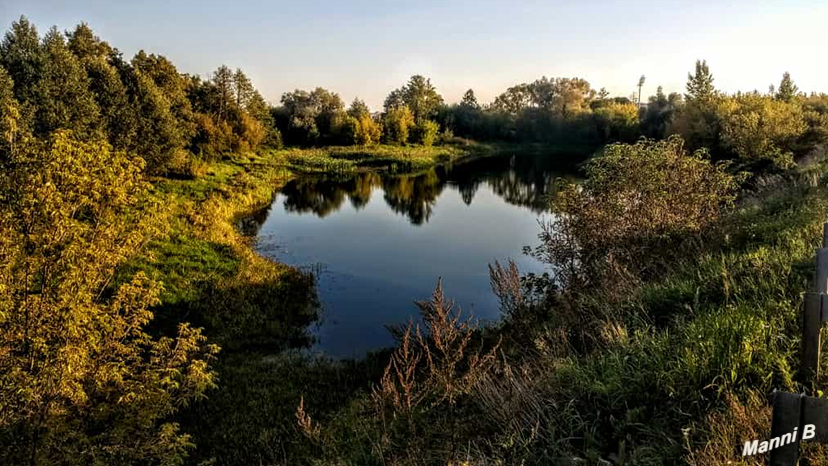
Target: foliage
x,y
397,123
617,122
74,353
425,132
419,95
700,84
757,127
637,202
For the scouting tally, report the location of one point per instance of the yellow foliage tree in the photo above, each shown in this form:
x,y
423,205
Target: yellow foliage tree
x,y
81,382
760,127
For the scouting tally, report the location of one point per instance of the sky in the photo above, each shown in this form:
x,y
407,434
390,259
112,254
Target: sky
x,y
366,48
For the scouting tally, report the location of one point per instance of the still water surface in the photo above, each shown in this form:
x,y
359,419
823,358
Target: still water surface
x,y
377,241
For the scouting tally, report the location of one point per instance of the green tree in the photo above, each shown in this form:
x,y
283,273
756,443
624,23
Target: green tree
x,y
398,124
426,132
758,127
61,98
84,44
311,116
513,100
81,382
659,113
700,85
470,100
117,116
617,122
419,95
20,55
358,109
787,89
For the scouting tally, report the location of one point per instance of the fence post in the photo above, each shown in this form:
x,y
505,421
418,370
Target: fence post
x,y
811,341
787,412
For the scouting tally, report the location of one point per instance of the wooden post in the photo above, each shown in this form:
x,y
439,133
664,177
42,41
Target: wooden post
x,y
787,411
811,342
825,235
821,281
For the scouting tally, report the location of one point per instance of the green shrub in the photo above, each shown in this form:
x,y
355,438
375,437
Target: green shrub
x,y
426,132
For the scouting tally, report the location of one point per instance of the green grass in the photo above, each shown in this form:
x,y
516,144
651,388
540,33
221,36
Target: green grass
x,y
396,159
714,332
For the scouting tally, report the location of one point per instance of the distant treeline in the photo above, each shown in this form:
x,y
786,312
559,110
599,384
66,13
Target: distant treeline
x,y
145,106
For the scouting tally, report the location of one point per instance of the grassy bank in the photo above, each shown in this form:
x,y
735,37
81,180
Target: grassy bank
x,y
679,369
257,310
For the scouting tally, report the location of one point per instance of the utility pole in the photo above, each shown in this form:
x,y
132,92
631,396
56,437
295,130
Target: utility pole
x,y
640,84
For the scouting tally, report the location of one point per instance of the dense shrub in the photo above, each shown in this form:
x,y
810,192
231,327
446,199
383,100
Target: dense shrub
x,y
425,132
636,202
398,123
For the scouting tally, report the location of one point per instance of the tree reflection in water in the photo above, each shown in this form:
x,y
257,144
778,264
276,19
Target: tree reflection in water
x,y
522,180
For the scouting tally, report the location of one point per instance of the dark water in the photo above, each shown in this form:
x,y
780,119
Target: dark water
x,y
377,242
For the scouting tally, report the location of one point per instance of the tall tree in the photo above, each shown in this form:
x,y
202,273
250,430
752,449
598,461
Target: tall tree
x,y
62,98
470,100
359,109
787,89
222,79
700,85
640,85
83,42
20,55
420,96
242,88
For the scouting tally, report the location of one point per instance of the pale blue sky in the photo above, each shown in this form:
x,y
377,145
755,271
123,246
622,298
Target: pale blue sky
x,y
366,48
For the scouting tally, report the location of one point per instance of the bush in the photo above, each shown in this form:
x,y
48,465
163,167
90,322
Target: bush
x,y
398,123
636,202
426,132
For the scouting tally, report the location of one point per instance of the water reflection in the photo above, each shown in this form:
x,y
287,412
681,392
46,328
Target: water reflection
x,y
377,241
524,181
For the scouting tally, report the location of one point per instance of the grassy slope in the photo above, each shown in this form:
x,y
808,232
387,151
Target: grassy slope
x,y
254,307
685,378
683,374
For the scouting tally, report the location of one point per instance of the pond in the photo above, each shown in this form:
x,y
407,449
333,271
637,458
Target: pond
x,y
376,242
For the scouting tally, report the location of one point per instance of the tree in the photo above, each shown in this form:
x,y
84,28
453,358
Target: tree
x,y
311,116
117,116
700,85
358,109
470,100
513,100
640,85
787,89
659,113
617,122
84,44
398,123
81,382
426,132
419,95
758,127
243,89
159,135
61,96
20,55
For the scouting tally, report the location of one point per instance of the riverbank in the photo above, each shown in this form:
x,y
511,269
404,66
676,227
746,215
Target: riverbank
x,y
257,310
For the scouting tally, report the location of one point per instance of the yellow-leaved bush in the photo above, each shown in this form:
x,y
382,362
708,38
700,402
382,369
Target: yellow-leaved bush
x,y
81,381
